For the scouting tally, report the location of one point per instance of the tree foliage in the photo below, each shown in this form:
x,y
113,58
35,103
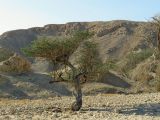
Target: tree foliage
x,y
56,49
89,57
90,62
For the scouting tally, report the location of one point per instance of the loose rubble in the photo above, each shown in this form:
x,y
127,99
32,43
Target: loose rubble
x,y
99,107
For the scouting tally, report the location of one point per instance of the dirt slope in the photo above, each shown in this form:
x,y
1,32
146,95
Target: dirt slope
x,y
32,85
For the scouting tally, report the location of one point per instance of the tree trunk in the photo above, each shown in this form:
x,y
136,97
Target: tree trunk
x,y
78,92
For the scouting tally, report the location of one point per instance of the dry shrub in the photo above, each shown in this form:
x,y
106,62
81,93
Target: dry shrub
x,y
131,61
158,77
158,69
144,71
15,64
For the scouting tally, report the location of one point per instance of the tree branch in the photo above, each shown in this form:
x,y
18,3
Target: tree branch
x,y
59,79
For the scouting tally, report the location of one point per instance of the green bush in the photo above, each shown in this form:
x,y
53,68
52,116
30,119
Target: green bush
x,y
90,62
103,69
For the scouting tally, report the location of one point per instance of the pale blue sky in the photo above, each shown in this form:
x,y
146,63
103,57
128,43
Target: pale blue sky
x,y
19,14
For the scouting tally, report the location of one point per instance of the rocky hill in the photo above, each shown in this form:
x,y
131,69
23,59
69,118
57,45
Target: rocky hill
x,y
115,40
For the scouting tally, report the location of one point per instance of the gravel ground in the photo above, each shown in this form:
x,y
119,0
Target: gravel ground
x,y
100,107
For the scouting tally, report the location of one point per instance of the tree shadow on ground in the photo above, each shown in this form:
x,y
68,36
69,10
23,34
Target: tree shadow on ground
x,y
151,109
96,109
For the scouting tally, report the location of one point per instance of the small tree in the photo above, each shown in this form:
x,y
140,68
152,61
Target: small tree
x,y
57,51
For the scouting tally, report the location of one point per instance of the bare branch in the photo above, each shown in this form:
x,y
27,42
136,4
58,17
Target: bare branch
x,y
59,79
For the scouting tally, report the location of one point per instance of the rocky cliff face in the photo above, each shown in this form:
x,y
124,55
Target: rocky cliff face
x,y
114,38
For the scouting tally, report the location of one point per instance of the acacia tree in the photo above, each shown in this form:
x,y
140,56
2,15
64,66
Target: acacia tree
x,y
57,51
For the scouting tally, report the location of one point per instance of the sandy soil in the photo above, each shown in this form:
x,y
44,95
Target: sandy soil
x,y
100,107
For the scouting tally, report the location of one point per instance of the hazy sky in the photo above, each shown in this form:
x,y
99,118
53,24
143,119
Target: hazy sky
x,y
18,14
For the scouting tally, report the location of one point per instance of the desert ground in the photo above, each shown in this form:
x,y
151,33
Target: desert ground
x,y
99,107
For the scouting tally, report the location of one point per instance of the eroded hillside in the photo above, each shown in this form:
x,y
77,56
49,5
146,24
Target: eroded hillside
x,y
121,41
115,38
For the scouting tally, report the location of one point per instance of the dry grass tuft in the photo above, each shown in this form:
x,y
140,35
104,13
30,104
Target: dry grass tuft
x,y
15,64
144,71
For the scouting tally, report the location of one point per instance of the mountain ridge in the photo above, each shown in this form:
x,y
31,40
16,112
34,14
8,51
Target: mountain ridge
x,y
17,39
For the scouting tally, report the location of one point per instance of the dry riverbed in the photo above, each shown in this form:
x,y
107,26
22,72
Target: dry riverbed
x,y
100,107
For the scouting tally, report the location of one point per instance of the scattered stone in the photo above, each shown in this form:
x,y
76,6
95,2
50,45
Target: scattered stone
x,y
121,107
56,109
